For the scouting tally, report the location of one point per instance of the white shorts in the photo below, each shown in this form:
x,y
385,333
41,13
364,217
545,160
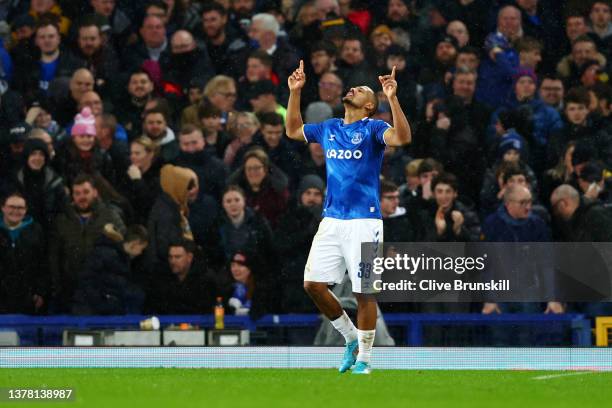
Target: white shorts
x,y
336,248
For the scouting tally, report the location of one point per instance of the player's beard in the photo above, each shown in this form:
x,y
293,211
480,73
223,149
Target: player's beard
x,y
348,101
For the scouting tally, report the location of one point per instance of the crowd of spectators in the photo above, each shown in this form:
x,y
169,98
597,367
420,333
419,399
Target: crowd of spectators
x,y
144,167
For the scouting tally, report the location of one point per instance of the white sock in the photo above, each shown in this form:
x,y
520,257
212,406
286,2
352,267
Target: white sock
x,y
346,327
366,340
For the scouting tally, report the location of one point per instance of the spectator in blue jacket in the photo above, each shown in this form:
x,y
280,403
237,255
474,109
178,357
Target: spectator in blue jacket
x,y
543,119
515,222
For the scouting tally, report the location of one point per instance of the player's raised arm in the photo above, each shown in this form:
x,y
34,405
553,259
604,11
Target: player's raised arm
x,y
400,134
294,122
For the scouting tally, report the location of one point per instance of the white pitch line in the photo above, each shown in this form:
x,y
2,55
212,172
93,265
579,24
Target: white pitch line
x,y
548,377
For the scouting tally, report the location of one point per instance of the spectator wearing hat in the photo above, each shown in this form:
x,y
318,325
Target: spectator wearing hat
x,y
40,9
240,296
263,99
22,29
579,127
168,220
443,61
24,284
381,38
41,186
11,155
40,115
265,185
543,119
293,237
81,153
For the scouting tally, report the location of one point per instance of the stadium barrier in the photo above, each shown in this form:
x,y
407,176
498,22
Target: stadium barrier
x,y
47,330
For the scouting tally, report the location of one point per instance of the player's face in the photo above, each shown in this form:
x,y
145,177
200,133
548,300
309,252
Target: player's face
x,y
233,204
445,195
358,97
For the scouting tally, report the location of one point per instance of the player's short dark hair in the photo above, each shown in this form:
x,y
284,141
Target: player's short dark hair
x,y
579,95
188,245
213,6
445,178
387,186
270,119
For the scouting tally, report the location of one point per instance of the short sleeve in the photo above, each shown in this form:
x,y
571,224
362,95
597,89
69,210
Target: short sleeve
x,y
378,129
313,132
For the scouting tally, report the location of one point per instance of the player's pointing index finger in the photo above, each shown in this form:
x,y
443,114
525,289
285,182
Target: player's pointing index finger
x,y
301,65
393,73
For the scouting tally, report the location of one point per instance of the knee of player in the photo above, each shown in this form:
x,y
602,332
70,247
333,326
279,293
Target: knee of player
x,y
314,288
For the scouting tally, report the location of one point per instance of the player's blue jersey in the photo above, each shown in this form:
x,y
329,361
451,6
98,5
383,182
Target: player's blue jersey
x,y
354,156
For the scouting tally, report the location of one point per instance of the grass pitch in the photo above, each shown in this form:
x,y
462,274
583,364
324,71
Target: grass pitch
x,y
165,387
